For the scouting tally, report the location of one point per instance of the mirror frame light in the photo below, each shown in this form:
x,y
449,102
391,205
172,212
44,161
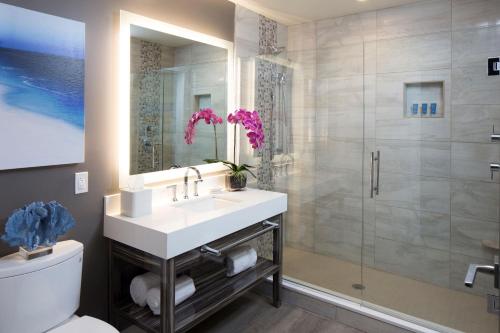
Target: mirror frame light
x,y
128,19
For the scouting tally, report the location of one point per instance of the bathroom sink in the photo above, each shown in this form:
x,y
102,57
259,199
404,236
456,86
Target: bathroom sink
x,y
204,205
175,228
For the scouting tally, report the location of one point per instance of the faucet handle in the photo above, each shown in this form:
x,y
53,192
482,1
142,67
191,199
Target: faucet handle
x,y
174,191
495,137
196,186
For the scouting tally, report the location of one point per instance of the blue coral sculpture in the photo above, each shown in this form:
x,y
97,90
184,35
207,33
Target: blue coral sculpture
x,y
37,224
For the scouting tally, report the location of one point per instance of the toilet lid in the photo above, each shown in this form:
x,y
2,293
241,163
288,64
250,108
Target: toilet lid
x,y
85,324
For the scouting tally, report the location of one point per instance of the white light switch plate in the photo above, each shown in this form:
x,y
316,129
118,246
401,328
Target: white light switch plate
x,y
81,182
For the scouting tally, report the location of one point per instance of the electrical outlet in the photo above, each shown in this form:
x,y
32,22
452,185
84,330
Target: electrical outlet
x,y
81,182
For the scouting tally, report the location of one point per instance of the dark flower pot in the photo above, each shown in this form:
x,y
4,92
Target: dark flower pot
x,y
237,183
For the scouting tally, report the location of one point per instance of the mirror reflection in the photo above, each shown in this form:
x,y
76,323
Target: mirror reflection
x,y
172,79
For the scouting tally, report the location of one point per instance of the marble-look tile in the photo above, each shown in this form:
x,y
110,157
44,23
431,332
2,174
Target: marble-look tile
x,y
303,122
248,25
430,194
337,237
473,123
208,75
435,194
370,58
204,53
425,158
475,14
168,56
351,29
338,180
303,92
398,190
483,284
396,129
471,85
475,199
467,235
304,63
340,61
340,124
421,263
473,47
343,154
341,92
282,35
245,49
422,17
392,125
471,161
435,158
416,53
425,229
302,37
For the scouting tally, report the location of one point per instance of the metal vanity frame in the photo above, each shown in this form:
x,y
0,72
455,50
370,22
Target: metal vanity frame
x,y
216,289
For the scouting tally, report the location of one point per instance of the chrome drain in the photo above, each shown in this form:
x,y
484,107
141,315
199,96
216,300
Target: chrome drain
x,y
358,286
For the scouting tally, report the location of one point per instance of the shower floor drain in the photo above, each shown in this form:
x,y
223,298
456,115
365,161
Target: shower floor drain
x,y
358,286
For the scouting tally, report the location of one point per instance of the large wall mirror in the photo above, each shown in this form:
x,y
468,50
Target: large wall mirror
x,y
167,73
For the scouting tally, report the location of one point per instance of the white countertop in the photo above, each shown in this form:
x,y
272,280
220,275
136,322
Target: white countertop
x,y
170,231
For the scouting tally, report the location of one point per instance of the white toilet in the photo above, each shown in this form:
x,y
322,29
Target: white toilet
x,y
43,294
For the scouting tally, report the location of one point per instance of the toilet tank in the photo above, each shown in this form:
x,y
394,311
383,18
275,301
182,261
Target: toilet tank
x,y
39,294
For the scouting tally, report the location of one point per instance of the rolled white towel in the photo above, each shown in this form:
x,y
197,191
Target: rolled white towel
x,y
141,284
239,259
184,288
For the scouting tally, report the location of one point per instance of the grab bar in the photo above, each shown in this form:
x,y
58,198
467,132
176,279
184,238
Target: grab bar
x,y
218,252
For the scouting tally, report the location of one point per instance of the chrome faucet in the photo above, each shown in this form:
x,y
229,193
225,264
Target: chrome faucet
x,y
195,183
174,191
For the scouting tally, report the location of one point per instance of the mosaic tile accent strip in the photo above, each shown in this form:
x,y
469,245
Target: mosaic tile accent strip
x,y
265,90
149,129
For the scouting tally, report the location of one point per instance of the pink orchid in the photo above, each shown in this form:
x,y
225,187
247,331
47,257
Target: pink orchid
x,y
210,117
251,121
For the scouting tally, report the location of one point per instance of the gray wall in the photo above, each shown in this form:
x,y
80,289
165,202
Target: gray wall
x,y
17,187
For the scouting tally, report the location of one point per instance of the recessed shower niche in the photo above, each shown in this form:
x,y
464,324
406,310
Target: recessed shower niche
x,y
424,99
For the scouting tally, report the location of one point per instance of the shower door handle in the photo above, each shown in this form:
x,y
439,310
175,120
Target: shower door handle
x,y
374,188
377,187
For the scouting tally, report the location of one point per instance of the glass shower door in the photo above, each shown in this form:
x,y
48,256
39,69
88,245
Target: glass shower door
x,y
435,206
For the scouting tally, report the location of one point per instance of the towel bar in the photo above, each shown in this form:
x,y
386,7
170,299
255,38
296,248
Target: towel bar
x,y
266,227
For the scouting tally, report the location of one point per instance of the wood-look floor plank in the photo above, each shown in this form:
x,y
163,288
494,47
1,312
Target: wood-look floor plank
x,y
254,314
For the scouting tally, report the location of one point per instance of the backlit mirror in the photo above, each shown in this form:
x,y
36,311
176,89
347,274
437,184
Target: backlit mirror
x,y
171,74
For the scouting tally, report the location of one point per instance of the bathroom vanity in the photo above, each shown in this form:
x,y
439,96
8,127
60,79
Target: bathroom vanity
x,y
168,76
188,237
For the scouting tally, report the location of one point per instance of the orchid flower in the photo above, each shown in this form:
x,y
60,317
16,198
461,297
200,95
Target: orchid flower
x,y
209,117
251,121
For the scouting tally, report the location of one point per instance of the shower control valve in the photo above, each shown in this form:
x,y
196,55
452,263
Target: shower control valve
x,y
494,167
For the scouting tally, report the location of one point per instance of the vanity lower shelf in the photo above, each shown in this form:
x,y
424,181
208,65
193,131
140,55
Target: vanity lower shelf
x,y
205,265
215,293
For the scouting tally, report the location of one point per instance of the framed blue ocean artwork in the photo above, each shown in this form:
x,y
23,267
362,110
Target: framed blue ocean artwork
x,y
42,74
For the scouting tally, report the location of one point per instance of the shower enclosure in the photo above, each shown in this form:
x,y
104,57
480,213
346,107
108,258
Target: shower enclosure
x,y
384,120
